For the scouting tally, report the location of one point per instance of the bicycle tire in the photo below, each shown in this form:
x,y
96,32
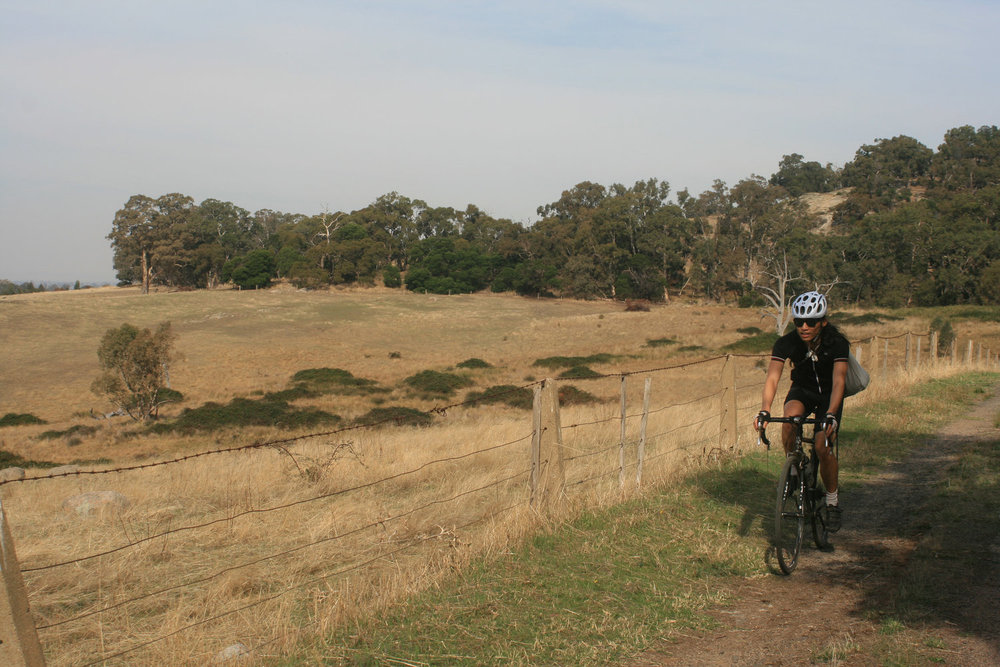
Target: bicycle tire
x,y
821,536
789,518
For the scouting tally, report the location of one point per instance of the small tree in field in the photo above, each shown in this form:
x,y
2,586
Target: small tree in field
x,y
135,366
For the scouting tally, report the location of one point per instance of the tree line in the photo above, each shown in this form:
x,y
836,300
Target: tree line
x,y
916,226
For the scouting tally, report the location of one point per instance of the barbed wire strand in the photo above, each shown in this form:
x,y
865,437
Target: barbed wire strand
x,y
274,508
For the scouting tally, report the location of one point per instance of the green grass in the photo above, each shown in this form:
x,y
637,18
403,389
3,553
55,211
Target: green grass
x,y
610,583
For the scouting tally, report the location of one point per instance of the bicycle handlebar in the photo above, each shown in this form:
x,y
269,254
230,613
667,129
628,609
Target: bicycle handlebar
x,y
800,420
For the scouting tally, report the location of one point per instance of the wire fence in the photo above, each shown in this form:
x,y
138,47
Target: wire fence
x,y
249,548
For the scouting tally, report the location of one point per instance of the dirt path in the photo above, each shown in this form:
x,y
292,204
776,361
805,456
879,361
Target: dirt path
x,y
830,610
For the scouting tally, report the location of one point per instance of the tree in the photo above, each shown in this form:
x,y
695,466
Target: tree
x,y
799,177
133,235
135,368
253,270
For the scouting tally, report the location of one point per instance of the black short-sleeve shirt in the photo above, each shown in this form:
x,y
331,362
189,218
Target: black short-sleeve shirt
x,y
811,371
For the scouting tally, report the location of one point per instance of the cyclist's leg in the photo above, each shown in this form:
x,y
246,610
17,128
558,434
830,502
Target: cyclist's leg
x,y
798,402
829,467
792,408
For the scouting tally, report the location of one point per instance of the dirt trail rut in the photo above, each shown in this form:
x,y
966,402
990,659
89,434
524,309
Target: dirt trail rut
x,y
828,601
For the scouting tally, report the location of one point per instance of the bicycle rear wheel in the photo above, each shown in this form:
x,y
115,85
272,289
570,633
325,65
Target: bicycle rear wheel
x,y
789,517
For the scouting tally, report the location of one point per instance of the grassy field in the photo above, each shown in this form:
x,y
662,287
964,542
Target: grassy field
x,y
612,582
326,525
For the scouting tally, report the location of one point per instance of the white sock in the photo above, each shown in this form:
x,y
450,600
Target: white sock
x,y
831,498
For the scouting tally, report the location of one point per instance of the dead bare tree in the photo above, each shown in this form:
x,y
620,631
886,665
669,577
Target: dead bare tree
x,y
777,294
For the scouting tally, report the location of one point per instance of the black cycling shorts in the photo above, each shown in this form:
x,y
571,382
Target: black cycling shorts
x,y
815,403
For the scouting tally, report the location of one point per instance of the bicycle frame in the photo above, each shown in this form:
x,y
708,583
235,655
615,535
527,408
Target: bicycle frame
x,y
798,501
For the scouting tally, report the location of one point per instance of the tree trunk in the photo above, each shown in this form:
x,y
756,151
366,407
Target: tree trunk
x,y
145,272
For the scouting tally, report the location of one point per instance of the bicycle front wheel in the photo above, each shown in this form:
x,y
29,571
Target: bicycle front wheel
x,y
789,517
818,517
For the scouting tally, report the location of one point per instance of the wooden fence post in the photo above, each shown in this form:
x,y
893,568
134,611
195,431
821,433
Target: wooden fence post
x,y
536,443
642,433
968,354
727,427
920,342
621,438
906,362
954,349
885,361
19,646
555,470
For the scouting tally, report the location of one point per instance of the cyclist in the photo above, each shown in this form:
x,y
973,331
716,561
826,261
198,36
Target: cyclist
x,y
818,352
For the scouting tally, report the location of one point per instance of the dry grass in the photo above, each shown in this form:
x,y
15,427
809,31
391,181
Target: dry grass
x,y
257,545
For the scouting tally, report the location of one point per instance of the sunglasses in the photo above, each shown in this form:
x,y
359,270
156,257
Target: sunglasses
x,y
807,321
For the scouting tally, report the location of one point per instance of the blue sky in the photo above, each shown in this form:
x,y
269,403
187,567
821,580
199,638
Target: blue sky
x,y
304,106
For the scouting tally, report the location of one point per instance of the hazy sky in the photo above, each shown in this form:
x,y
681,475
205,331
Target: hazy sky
x,y
306,105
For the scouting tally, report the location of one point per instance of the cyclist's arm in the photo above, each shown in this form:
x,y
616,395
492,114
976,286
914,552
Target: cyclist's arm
x,y
837,393
770,385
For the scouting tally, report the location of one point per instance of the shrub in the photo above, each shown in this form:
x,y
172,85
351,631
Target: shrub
x,y
762,342
516,397
306,275
9,459
19,419
77,430
660,342
474,363
392,277
579,372
333,380
570,395
245,412
564,362
167,395
134,362
437,384
394,416
946,334
251,271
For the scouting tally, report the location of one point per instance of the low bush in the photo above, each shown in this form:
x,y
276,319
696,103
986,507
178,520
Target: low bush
x,y
436,384
570,395
394,416
79,430
245,412
516,397
327,380
568,362
474,363
167,395
579,372
660,342
9,459
761,342
19,419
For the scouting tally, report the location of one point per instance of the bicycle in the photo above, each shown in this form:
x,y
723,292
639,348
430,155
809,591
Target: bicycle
x,y
800,497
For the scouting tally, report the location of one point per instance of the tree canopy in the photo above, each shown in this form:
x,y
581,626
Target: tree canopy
x,y
916,226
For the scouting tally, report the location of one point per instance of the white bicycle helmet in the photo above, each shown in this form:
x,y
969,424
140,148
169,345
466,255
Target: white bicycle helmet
x,y
809,305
